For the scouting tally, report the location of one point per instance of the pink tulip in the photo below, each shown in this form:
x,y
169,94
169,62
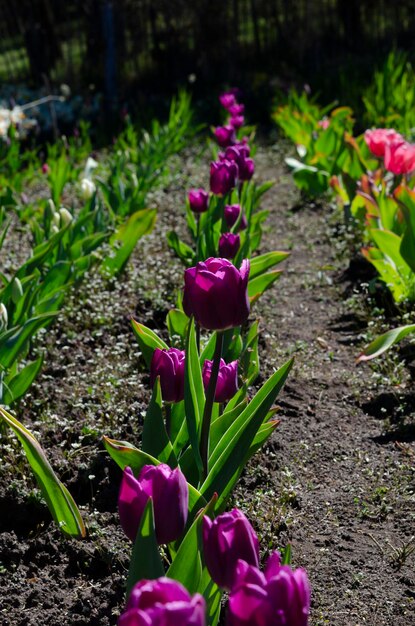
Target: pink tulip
x,y
378,138
400,157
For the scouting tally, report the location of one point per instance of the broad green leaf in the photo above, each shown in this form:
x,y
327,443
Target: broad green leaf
x,y
16,339
60,502
155,440
223,422
264,262
147,340
231,453
177,322
125,239
385,341
17,386
261,283
145,560
194,394
187,567
183,251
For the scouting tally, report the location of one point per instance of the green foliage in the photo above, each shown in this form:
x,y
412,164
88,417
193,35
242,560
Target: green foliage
x,y
59,500
390,99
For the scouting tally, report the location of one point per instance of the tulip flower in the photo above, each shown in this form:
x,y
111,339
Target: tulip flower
x,y
227,383
163,602
229,244
45,168
227,539
400,157
198,200
216,293
236,121
378,138
280,596
170,494
223,176
227,100
225,135
232,212
236,109
239,154
169,365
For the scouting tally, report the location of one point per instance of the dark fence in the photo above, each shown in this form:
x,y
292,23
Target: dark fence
x,y
115,44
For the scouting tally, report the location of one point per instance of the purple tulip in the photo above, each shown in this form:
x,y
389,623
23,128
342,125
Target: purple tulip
x,y
239,154
229,244
236,109
169,365
231,213
225,135
236,121
216,293
170,493
223,176
198,200
225,540
163,602
279,597
227,384
227,100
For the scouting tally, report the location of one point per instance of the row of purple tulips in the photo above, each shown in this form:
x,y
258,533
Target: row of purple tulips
x,y
201,428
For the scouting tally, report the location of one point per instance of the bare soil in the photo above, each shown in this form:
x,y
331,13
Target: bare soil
x,y
336,479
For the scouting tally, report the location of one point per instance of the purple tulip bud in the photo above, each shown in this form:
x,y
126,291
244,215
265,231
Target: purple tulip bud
x,y
279,596
45,168
216,293
227,384
231,213
225,135
198,200
225,540
227,100
170,493
236,121
163,602
169,365
236,109
229,244
223,176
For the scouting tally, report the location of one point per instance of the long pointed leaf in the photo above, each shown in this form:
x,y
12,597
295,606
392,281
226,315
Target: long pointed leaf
x,y
60,502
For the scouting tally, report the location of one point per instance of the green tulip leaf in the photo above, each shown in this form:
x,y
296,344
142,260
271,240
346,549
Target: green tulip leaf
x,y
155,440
147,340
145,560
382,343
60,502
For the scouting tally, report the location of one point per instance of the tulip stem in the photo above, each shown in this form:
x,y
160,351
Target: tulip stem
x,y
167,407
197,328
210,398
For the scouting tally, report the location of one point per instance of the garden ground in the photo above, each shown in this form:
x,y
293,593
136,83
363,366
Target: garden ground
x,y
336,480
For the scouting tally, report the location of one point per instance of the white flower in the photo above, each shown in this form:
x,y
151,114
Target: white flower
x,y
3,316
16,115
91,164
66,217
87,188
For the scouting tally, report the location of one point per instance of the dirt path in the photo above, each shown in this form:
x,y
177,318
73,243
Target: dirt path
x,y
333,480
